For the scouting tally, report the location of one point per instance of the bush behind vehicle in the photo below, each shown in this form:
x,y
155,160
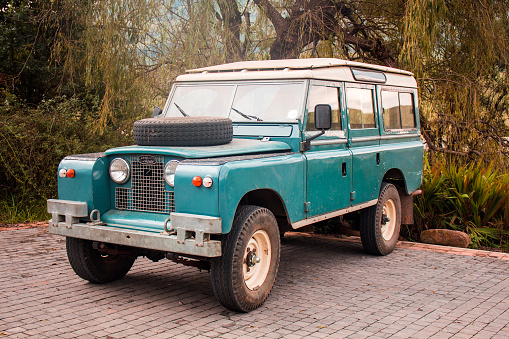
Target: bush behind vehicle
x,y
34,140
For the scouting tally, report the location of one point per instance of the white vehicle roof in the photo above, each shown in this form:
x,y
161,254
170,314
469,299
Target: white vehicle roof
x,y
317,68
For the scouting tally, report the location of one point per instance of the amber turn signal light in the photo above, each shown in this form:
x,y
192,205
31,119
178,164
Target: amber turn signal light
x,y
197,181
70,173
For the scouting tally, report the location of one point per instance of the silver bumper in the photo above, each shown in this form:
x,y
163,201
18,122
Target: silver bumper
x,y
189,234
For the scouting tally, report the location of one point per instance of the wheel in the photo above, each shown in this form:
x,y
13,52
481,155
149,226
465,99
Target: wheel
x,y
243,276
183,131
94,266
380,224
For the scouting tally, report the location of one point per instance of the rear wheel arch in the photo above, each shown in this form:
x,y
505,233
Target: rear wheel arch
x,y
396,177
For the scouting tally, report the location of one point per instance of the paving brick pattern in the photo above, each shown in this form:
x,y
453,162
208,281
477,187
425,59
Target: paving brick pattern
x,y
326,287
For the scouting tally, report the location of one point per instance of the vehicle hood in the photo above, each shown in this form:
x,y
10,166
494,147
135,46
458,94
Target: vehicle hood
x,y
236,147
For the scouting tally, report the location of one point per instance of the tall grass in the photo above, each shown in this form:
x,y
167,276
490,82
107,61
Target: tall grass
x,y
14,210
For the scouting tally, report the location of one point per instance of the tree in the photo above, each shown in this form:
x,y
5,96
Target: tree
x,y
129,51
459,51
310,21
27,38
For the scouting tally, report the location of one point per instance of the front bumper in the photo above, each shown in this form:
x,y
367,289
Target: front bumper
x,y
188,234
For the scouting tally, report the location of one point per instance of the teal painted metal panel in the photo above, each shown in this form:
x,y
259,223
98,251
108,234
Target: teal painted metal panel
x,y
283,175
327,188
402,149
268,131
91,183
140,221
292,141
367,174
406,156
196,200
237,146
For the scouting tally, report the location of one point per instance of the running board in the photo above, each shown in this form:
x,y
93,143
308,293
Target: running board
x,y
330,215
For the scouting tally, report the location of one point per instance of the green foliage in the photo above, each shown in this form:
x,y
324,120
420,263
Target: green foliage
x,y
74,73
469,198
29,37
35,139
459,51
18,209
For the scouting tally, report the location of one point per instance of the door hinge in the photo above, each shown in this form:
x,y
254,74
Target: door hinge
x,y
306,206
352,195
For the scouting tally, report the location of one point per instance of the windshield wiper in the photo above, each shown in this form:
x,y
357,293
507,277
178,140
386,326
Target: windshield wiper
x,y
248,117
181,110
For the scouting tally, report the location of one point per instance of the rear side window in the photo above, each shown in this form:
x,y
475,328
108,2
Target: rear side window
x,y
360,107
398,110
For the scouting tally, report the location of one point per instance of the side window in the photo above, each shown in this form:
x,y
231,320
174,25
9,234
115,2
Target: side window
x,y
398,110
406,104
323,95
360,108
390,102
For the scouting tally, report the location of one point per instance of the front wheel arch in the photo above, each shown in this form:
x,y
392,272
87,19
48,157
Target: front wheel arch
x,y
270,200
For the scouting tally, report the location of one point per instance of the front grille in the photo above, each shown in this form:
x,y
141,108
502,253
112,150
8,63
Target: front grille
x,y
147,192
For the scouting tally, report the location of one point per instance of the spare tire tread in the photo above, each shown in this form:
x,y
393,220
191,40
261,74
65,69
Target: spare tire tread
x,y
183,131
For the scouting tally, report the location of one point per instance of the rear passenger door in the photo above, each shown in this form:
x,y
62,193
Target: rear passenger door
x,y
363,141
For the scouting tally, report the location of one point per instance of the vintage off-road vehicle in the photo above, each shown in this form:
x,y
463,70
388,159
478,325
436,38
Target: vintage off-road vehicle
x,y
241,153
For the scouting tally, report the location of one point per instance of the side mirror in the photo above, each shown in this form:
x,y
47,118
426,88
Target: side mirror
x,y
157,111
323,117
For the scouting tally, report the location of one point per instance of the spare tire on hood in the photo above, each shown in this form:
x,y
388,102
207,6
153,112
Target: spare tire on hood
x,y
183,131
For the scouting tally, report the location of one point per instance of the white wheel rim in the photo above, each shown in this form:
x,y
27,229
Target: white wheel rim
x,y
389,211
257,258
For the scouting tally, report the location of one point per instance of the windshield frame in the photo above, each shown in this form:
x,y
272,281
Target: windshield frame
x,y
236,84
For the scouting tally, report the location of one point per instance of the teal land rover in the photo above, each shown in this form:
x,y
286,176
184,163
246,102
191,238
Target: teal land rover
x,y
240,154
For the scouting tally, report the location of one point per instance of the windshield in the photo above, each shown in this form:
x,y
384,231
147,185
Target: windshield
x,y
270,102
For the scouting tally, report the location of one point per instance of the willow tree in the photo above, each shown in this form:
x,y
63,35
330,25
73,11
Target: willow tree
x,y
130,50
459,50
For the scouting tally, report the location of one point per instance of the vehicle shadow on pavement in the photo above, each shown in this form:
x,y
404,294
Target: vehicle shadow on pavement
x,y
181,287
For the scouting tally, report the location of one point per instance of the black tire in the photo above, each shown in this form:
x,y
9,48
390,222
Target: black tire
x,y
183,131
380,235
238,283
90,264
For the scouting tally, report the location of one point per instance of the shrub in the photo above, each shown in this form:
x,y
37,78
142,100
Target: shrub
x,y
35,139
469,198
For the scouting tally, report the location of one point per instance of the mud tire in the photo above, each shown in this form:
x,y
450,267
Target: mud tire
x,y
377,237
90,264
229,279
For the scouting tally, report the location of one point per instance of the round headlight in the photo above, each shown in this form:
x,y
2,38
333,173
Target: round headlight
x,y
119,170
169,172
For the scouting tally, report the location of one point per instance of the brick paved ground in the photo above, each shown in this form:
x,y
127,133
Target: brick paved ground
x,y
326,287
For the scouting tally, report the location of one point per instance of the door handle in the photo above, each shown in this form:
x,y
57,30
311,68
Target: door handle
x,y
343,169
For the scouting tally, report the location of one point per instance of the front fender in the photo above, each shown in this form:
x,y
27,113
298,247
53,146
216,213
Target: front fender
x,y
282,174
91,183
